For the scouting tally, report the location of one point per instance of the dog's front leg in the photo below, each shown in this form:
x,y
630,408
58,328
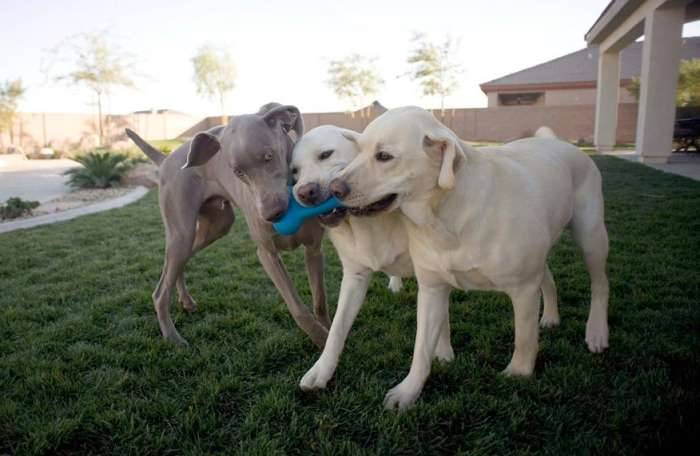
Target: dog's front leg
x,y
353,289
433,311
274,268
314,271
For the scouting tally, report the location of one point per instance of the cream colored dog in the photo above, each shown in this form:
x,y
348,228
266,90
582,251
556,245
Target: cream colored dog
x,y
365,243
481,219
368,239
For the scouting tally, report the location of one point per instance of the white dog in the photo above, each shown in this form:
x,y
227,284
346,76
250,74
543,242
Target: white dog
x,y
364,244
479,219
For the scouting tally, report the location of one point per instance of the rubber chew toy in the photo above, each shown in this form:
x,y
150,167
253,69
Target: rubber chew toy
x,y
296,214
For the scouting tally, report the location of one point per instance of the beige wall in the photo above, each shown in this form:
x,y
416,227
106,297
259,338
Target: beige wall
x,y
506,123
68,131
71,131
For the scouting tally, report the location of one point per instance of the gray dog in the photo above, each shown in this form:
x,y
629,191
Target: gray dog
x,y
244,164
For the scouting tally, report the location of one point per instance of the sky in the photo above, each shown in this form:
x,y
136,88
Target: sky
x,y
282,48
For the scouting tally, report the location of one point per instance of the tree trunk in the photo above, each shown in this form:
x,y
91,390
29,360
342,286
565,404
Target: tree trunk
x,y
99,117
224,117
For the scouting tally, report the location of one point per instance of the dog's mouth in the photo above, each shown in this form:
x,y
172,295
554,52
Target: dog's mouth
x,y
334,217
376,207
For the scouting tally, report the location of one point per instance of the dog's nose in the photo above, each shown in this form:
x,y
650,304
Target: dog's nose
x,y
274,211
309,193
339,188
274,215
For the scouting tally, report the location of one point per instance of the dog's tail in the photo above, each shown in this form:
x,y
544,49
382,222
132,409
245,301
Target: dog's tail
x,y
545,132
154,154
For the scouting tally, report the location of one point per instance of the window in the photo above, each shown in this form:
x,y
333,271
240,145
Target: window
x,y
517,99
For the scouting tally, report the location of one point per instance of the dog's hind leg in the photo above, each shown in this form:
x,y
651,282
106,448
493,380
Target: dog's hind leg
x,y
314,271
180,225
395,284
588,227
550,314
526,306
177,251
213,222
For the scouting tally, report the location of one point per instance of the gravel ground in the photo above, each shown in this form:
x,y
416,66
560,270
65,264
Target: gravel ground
x,y
77,198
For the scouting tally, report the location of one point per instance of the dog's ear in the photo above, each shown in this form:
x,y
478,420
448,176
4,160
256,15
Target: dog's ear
x,y
288,116
204,145
350,135
442,145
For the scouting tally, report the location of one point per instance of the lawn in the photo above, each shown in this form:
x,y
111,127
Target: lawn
x,y
84,370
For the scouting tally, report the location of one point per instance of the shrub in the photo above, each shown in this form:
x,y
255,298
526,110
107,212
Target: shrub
x,y
101,169
16,207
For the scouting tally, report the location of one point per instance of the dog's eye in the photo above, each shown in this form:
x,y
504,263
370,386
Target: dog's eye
x,y
295,171
325,154
268,156
238,172
383,156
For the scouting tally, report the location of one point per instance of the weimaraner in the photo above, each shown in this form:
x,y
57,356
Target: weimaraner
x,y
197,189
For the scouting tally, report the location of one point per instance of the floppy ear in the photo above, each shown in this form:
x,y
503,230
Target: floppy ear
x,y
288,115
350,135
204,145
443,146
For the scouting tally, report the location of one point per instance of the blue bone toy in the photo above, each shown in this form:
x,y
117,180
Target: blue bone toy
x,y
296,214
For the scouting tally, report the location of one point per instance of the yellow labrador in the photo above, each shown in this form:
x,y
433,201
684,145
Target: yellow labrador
x,y
481,219
367,239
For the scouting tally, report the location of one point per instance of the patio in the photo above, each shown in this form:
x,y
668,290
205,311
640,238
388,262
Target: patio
x,y
681,164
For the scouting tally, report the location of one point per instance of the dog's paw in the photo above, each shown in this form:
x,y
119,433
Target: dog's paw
x,y
444,353
549,321
314,379
395,284
517,371
401,397
597,336
177,339
188,303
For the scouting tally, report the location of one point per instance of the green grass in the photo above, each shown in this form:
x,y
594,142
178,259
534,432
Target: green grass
x,y
83,368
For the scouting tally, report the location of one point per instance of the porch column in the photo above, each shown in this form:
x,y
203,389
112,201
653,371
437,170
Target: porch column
x,y
607,95
663,32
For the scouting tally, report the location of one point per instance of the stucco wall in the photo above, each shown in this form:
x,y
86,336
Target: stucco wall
x,y
573,122
565,97
507,123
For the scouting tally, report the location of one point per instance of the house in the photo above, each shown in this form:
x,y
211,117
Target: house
x,y
620,24
571,79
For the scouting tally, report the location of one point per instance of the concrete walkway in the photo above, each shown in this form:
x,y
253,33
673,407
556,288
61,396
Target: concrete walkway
x,y
682,164
33,180
22,224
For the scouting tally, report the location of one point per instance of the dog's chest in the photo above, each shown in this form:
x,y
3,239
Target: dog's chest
x,y
462,266
375,245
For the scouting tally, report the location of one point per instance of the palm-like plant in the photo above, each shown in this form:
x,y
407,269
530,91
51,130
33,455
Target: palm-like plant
x,y
101,169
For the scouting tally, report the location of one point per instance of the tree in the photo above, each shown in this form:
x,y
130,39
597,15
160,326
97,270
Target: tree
x,y
354,78
433,66
688,92
10,94
214,74
92,61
